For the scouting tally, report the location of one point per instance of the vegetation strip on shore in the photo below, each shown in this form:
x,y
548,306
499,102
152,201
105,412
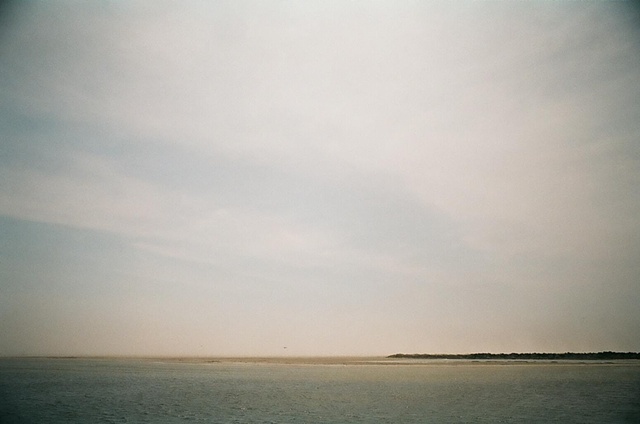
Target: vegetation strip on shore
x,y
555,356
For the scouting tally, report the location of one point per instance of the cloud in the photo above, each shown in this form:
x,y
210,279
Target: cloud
x,y
426,155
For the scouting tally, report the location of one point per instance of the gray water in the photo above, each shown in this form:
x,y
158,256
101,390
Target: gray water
x,y
144,391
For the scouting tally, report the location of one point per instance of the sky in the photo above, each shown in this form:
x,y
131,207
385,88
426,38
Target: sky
x,y
241,178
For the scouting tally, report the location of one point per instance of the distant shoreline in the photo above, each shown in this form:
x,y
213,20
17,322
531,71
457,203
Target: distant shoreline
x,y
395,359
588,356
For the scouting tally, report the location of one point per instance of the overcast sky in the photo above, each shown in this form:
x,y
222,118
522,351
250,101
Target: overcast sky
x,y
234,178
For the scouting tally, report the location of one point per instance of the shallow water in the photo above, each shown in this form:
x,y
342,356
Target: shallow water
x,y
115,391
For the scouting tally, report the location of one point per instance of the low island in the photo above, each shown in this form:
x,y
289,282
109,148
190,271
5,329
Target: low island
x,y
608,355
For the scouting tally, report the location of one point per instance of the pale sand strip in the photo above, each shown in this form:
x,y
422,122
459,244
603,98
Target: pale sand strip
x,y
381,360
293,360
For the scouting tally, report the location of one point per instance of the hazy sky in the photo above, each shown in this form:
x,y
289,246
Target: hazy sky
x,y
230,178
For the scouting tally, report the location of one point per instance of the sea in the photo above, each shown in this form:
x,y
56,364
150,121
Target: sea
x,y
91,390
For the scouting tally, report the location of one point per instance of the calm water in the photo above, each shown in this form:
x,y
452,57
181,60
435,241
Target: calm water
x,y
116,391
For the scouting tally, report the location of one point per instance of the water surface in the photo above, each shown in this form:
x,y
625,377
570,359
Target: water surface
x,y
162,391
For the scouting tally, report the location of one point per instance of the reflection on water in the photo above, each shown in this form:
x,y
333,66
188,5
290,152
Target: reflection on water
x,y
92,390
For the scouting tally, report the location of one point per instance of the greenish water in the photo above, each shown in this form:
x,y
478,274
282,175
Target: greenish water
x,y
118,391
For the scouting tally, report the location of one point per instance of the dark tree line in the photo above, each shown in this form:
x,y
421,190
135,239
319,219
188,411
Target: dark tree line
x,y
567,355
